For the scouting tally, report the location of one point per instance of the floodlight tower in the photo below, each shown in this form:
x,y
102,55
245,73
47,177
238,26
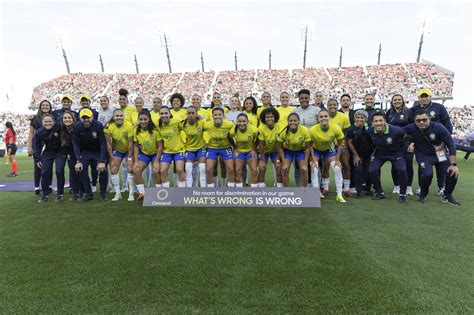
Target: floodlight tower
x,y
421,42
305,32
101,63
136,64
380,52
270,59
340,59
235,60
164,43
202,62
59,44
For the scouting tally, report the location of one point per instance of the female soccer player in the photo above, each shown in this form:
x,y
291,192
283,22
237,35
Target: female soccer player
x,y
285,109
139,103
294,144
245,140
234,110
193,127
250,109
123,103
266,102
327,140
10,141
220,132
267,142
399,115
145,149
119,137
177,102
172,148
155,111
35,124
217,102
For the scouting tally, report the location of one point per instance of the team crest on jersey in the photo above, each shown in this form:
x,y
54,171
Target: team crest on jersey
x,y
94,134
125,135
55,134
175,129
432,114
389,140
402,116
422,165
300,139
432,136
198,129
249,138
331,138
225,133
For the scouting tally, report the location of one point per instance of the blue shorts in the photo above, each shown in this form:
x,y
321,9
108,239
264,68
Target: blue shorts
x,y
145,158
244,156
120,154
195,155
325,154
273,156
226,154
294,155
170,157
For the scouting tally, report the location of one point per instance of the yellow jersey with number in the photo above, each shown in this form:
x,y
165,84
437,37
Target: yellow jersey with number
x,y
148,142
340,119
295,141
120,135
326,139
171,136
245,141
219,137
194,135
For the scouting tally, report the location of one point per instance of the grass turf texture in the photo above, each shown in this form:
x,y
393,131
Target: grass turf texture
x,y
363,256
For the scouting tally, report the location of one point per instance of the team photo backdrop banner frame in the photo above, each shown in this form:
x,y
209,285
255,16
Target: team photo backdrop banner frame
x,y
295,197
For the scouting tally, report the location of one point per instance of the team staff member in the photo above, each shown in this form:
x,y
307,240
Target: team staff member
x,y
145,149
45,107
85,101
173,149
399,115
119,137
47,146
268,145
327,142
430,141
220,133
10,142
388,142
360,144
66,154
369,102
90,149
245,153
294,144
66,102
193,127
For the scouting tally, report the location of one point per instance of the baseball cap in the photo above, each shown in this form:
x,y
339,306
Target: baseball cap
x,y
85,96
85,112
68,97
424,91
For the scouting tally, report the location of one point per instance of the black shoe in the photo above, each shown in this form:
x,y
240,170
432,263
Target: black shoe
x,y
378,196
103,197
70,191
450,199
422,199
59,198
369,193
403,199
43,199
86,198
74,198
37,192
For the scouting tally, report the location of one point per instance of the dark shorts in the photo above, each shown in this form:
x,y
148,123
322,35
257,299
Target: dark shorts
x,y
12,148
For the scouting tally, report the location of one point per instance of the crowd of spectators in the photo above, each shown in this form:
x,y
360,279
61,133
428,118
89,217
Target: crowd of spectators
x,y
21,124
462,119
381,80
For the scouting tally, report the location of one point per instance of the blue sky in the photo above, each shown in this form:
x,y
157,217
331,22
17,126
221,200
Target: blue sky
x,y
118,30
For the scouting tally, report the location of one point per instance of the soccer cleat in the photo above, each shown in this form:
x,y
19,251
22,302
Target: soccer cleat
x,y
369,193
14,174
131,197
59,198
450,199
94,189
74,198
409,191
117,197
103,197
86,198
325,191
37,192
347,192
402,199
10,174
141,197
340,198
378,196
396,190
422,199
43,199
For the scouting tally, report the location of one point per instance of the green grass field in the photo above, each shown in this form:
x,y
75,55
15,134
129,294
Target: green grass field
x,y
363,256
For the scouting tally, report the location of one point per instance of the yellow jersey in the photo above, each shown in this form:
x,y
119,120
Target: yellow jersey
x,y
128,113
194,135
340,119
209,112
180,114
203,114
284,113
219,137
245,141
295,141
269,137
254,119
326,139
155,117
171,136
120,135
259,109
148,142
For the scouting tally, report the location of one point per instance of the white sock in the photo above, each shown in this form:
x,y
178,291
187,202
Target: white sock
x,y
279,184
239,185
315,178
195,173
202,174
125,174
141,188
223,183
230,184
131,183
261,185
181,183
253,185
210,185
347,183
325,183
216,181
338,177
158,185
115,182
189,174
167,184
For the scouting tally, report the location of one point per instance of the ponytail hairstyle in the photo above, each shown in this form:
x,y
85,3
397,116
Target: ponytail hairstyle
x,y
9,125
151,125
62,133
186,120
287,128
240,115
160,121
112,120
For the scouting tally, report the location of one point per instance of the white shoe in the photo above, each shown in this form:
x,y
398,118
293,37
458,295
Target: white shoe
x,y
440,192
94,189
409,191
131,197
353,190
124,189
117,197
396,189
418,191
